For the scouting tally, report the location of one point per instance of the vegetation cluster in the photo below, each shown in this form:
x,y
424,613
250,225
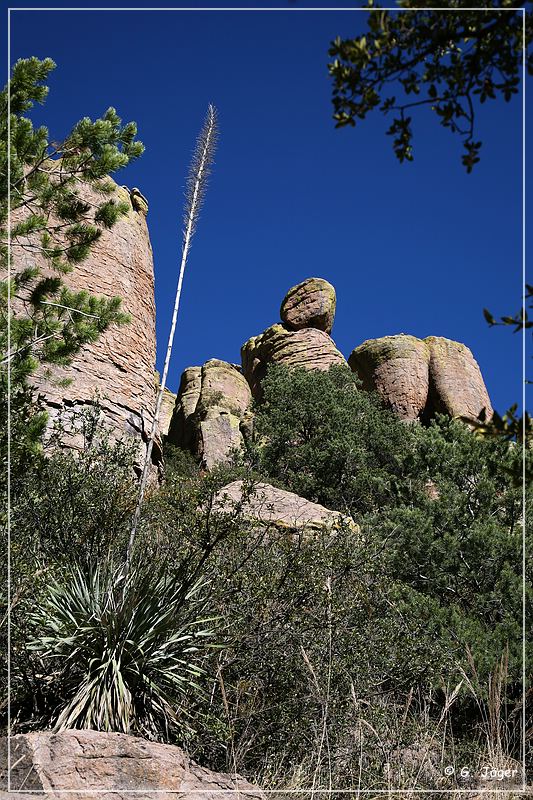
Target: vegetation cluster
x,y
289,656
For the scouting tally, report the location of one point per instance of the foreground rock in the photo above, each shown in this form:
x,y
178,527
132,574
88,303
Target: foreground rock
x,y
308,348
310,304
211,404
91,764
418,378
270,506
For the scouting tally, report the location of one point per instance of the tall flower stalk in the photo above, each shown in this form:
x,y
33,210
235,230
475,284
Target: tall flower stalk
x,y
196,187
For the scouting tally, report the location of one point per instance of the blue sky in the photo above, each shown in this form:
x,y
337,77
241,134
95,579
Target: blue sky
x,y
417,248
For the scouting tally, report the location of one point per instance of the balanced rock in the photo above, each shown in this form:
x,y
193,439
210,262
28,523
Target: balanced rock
x,y
456,385
397,367
310,304
309,348
419,378
92,764
273,507
211,403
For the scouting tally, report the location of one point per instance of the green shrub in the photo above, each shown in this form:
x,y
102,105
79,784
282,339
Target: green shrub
x,y
325,439
67,509
119,651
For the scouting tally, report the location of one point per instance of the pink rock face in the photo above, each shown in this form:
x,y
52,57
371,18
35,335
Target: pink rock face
x,y
308,348
182,427
89,763
310,304
270,506
457,387
397,367
211,403
420,378
224,386
120,365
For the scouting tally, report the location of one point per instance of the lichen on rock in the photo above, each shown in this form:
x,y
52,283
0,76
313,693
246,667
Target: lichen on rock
x,y
309,348
310,304
210,405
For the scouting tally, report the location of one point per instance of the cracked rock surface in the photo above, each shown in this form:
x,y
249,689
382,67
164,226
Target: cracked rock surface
x,y
93,764
419,378
119,366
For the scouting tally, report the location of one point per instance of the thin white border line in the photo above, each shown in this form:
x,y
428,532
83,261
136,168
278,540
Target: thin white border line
x,y
268,791
233,8
524,399
8,402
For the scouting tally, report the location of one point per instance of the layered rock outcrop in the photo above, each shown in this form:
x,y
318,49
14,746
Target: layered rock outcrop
x,y
270,506
119,367
211,406
167,409
397,367
92,764
418,378
309,348
310,304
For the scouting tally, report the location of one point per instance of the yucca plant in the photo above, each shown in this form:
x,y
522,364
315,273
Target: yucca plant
x,y
121,650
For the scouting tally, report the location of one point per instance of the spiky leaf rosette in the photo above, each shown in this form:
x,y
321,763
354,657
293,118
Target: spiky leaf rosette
x,y
121,650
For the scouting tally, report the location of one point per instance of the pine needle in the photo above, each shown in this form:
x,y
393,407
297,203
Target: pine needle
x,y
195,193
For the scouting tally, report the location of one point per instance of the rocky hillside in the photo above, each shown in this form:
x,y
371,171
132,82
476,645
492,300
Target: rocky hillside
x,y
211,415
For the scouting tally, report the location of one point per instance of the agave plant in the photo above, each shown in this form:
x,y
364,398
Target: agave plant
x,y
122,650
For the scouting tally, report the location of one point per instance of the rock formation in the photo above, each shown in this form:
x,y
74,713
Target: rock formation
x,y
308,347
307,312
273,507
167,409
88,763
310,304
416,378
211,404
119,367
420,378
397,367
456,386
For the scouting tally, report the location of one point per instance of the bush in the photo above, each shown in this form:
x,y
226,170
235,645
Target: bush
x,y
119,651
67,509
327,441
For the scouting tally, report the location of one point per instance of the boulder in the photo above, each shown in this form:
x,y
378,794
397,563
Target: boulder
x,y
309,348
212,402
397,367
310,304
225,387
88,763
456,385
270,506
419,378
